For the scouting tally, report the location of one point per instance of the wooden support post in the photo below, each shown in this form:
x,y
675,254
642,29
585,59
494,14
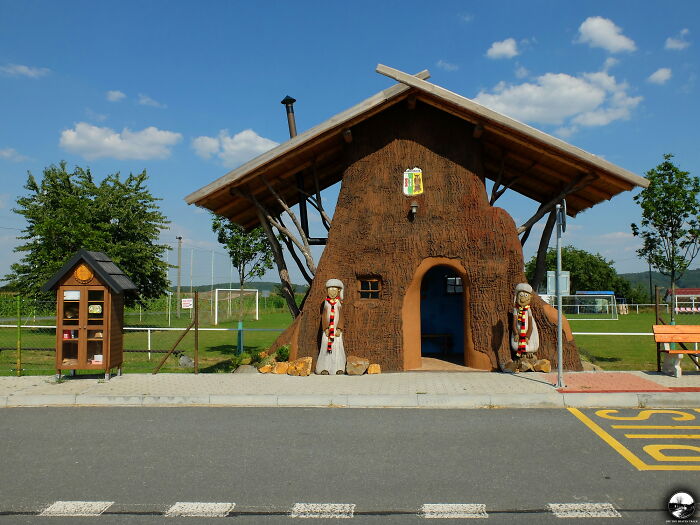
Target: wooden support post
x,y
165,357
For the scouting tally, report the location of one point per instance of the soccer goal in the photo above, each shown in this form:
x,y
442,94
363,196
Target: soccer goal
x,y
587,307
226,303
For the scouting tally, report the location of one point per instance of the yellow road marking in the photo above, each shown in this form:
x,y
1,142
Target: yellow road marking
x,y
662,436
646,414
614,443
657,427
655,452
621,449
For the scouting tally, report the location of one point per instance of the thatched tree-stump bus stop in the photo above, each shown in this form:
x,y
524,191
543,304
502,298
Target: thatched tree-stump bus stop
x,y
429,271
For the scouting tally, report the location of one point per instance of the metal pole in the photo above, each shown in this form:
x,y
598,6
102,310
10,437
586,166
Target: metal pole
x,y
179,273
196,332
19,335
149,343
560,366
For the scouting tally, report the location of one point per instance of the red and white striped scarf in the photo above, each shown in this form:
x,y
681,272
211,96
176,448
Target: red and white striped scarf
x,y
522,329
331,324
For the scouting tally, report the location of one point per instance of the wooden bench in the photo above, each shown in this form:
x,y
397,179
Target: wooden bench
x,y
665,334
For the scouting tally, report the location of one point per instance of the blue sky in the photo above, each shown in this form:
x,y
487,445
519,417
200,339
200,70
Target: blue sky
x,y
189,90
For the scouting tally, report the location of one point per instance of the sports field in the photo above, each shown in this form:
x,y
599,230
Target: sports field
x,y
217,348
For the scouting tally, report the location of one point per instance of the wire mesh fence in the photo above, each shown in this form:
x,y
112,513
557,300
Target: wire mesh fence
x,y
28,332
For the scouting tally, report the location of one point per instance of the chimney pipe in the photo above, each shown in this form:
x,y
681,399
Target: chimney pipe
x,y
289,104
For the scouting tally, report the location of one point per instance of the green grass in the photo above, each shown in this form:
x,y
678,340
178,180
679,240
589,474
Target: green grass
x,y
628,352
217,349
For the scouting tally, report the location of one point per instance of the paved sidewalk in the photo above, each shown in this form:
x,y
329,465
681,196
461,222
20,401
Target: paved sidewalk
x,y
402,390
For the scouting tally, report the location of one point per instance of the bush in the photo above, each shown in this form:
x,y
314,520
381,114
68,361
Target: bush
x,y
283,353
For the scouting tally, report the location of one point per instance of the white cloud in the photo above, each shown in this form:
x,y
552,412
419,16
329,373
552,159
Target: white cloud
x,y
521,72
145,100
232,150
206,147
466,17
93,142
12,155
679,43
507,48
660,76
609,63
446,66
590,99
597,31
18,70
115,95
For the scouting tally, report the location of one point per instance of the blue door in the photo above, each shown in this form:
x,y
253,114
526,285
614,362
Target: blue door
x,y
442,315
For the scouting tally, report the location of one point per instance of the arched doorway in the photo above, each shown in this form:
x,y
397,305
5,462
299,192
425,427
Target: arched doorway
x,y
411,317
442,315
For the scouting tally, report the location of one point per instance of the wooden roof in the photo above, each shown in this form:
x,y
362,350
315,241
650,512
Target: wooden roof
x,y
529,161
108,272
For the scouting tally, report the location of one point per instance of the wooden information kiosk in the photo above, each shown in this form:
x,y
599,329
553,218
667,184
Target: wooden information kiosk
x,y
89,313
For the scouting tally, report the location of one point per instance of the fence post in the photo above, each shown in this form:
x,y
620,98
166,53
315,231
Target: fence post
x,y
149,343
19,335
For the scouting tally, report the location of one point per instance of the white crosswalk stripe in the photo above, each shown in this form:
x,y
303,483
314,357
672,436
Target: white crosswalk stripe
x,y
77,508
453,510
323,510
195,509
583,510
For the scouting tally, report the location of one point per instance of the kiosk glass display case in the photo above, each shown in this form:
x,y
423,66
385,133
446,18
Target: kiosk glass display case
x,y
90,313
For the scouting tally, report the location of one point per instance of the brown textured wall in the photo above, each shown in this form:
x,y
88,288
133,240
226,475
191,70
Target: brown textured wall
x,y
371,235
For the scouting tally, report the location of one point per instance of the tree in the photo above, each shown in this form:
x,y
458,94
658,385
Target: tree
x,y
69,211
250,252
670,227
587,272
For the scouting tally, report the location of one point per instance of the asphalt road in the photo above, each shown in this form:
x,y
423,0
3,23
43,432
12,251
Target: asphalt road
x,y
387,462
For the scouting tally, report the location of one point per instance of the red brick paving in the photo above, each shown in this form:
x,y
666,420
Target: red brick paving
x,y
608,382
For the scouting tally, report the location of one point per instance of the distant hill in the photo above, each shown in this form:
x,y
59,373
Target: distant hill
x,y
258,285
691,279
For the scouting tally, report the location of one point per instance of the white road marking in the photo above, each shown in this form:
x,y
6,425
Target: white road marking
x,y
197,509
77,508
583,510
453,510
323,510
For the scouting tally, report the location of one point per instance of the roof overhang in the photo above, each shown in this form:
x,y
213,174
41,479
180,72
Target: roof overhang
x,y
516,155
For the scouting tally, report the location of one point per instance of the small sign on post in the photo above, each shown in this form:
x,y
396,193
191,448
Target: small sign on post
x,y
187,304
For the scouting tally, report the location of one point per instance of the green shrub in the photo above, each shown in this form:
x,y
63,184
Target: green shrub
x,y
283,353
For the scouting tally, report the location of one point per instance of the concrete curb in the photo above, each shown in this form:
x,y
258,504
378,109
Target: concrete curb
x,y
428,401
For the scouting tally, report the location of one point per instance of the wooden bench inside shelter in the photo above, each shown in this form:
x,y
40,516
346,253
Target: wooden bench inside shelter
x,y
665,334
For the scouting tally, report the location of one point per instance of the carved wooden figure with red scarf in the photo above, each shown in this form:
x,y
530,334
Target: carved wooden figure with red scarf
x,y
524,339
331,355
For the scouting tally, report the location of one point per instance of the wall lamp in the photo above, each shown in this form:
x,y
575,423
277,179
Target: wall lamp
x,y
414,211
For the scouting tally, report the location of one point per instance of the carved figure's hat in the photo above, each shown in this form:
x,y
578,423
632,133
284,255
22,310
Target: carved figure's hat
x,y
336,283
522,287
